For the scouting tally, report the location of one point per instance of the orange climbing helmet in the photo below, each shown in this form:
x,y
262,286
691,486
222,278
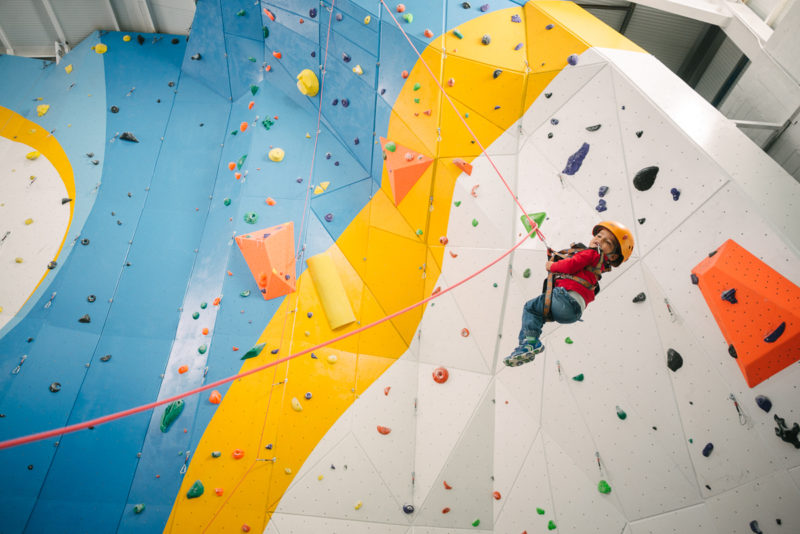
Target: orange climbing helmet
x,y
624,239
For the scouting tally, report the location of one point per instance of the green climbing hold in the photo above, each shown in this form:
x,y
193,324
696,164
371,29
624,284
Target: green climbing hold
x,y
691,440
578,378
196,315
408,17
391,146
540,511
241,13
526,273
267,123
265,31
621,413
603,487
216,454
203,305
254,89
537,217
551,525
416,100
474,222
241,162
202,348
417,86
251,59
568,341
234,132
494,285
419,231
255,351
196,490
251,217
476,522
171,413
458,34
227,202
138,509
457,203
245,293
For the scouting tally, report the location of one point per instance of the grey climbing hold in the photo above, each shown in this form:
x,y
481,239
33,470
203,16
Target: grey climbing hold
x,y
55,387
128,136
645,178
593,128
91,298
764,403
197,57
85,319
486,39
674,360
576,160
729,295
640,297
707,449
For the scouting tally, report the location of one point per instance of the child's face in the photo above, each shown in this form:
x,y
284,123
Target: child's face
x,y
607,243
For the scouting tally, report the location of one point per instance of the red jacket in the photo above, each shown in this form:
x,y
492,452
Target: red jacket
x,y
576,266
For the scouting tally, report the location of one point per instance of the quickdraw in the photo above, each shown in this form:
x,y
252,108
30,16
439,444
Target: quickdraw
x,y
597,269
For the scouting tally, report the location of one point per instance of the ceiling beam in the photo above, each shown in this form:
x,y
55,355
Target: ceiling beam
x,y
148,14
6,43
62,38
627,19
113,14
701,55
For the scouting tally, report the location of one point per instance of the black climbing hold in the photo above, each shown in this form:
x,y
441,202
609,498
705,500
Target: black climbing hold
x,y
128,136
778,520
755,528
346,57
695,280
642,220
576,160
52,265
732,351
65,200
640,297
711,254
602,191
114,109
707,449
548,95
639,133
90,154
465,5
730,295
593,128
345,102
674,360
775,334
645,178
30,467
312,12
85,319
197,57
764,403
335,101
140,39
95,162
786,434
91,298
550,135
409,508
356,141
497,73
55,387
313,54
171,84
105,358
85,241
486,39
549,27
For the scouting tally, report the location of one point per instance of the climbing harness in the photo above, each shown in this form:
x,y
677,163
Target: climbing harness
x,y
597,269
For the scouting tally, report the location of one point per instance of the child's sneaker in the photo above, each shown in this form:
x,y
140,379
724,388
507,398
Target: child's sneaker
x,y
524,353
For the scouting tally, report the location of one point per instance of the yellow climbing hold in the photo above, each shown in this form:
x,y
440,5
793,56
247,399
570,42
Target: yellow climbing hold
x,y
308,135
307,82
321,187
332,358
28,221
296,406
320,477
18,260
359,504
126,38
288,471
32,155
41,109
68,68
100,48
367,19
276,154
358,70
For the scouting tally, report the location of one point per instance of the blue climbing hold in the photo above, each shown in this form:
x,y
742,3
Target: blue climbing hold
x,y
676,193
572,59
764,403
730,295
603,190
707,449
576,160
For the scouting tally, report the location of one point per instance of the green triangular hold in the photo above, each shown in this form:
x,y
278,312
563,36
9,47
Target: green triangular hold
x,y
551,525
255,351
578,378
254,89
196,490
538,217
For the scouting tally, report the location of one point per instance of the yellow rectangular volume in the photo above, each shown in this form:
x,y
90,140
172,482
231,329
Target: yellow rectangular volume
x,y
330,290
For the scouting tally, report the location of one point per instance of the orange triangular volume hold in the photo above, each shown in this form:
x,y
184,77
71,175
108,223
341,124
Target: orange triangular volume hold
x,y
404,166
463,165
756,308
270,255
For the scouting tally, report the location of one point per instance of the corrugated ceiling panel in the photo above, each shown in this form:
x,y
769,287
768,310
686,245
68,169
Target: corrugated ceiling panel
x,y
612,17
668,37
762,7
175,16
24,25
718,70
79,18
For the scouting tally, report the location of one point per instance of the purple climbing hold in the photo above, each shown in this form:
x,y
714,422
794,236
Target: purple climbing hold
x,y
707,449
601,208
576,160
515,18
602,191
327,155
356,141
383,90
549,27
313,53
676,193
730,295
553,121
485,8
329,217
572,59
345,102
309,315
519,45
764,403
335,102
312,12
339,17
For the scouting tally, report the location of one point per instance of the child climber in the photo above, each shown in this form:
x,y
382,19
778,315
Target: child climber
x,y
571,285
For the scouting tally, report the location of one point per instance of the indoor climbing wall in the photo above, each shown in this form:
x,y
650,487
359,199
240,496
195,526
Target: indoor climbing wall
x,y
277,196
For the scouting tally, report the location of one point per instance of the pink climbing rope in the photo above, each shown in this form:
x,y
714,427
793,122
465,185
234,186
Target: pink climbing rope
x,y
7,444
483,150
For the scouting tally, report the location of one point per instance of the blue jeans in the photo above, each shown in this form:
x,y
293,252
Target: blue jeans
x,y
563,308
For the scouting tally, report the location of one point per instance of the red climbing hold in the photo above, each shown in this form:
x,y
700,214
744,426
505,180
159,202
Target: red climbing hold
x,y
428,34
445,510
446,485
465,332
245,527
277,55
384,430
404,74
496,495
400,8
386,390
215,397
440,376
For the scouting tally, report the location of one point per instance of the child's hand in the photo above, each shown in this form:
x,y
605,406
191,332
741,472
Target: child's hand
x,y
547,265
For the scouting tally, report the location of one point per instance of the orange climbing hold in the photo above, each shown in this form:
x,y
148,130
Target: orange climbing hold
x,y
238,175
386,390
440,376
404,74
404,166
445,510
277,55
251,104
269,13
205,331
219,491
215,397
243,126
760,320
463,165
215,302
183,368
232,165
270,201
237,454
384,430
270,255
400,8
496,495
